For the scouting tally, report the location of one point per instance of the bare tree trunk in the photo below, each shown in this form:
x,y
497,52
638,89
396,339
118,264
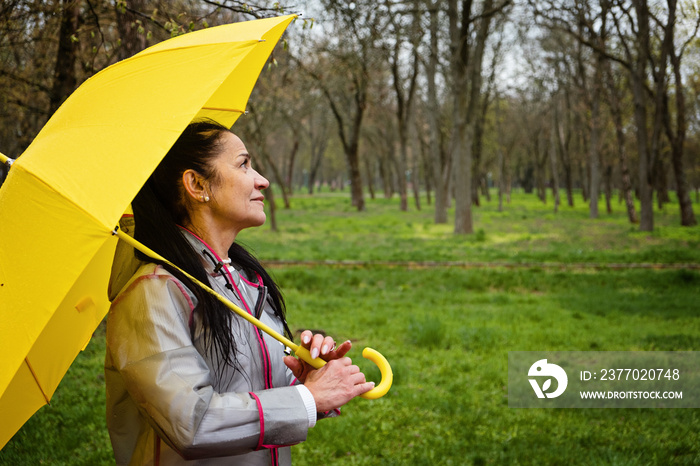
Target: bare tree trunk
x,y
401,169
678,140
499,153
353,157
682,191
442,193
415,164
276,174
638,77
508,174
593,154
64,78
350,138
613,99
563,146
427,177
553,161
660,182
385,172
585,184
501,182
463,184
424,162
466,66
442,163
539,156
318,149
415,182
477,147
262,168
349,120
562,140
317,134
259,136
370,180
404,97
607,181
290,167
131,41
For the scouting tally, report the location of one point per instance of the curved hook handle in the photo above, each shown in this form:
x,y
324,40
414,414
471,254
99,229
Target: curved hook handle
x,y
387,375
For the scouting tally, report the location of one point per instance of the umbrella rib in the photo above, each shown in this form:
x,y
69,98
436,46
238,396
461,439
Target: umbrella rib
x,y
37,380
221,109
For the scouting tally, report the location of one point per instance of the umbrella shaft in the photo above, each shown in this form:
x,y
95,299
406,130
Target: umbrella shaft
x,y
6,160
300,351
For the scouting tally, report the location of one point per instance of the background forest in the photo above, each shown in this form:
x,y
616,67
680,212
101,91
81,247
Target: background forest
x,y
398,97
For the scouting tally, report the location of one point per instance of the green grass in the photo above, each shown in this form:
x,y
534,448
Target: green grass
x,y
447,332
327,228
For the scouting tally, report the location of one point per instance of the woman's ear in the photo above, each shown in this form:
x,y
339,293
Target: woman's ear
x,y
195,186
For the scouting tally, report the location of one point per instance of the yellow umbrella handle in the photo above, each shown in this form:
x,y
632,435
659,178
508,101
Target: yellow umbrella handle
x,y
368,353
387,375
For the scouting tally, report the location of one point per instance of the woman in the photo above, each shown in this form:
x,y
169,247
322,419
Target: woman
x,y
186,378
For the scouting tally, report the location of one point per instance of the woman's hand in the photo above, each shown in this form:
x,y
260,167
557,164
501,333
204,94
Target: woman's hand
x,y
318,346
336,383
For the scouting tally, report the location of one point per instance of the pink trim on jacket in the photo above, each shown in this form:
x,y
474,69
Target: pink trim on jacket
x,y
262,421
256,285
267,370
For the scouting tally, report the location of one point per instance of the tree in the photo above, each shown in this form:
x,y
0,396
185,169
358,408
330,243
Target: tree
x,y
342,68
404,29
442,173
677,133
613,95
469,32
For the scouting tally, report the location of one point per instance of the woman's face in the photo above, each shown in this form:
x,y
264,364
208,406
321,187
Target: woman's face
x,y
236,198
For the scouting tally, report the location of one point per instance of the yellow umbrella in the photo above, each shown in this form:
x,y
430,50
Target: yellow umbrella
x,y
62,199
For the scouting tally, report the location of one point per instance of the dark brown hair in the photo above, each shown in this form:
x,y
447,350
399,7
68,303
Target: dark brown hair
x,y
161,207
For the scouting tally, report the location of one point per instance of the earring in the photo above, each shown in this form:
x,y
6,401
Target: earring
x,y
206,198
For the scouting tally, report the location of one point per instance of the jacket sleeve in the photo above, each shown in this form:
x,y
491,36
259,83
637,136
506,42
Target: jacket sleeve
x,y
149,341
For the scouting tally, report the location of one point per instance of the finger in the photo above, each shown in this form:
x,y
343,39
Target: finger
x,y
294,365
306,336
358,379
327,345
339,365
341,350
345,361
363,388
316,343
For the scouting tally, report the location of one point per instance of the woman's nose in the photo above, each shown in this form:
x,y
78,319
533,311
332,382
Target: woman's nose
x,y
260,181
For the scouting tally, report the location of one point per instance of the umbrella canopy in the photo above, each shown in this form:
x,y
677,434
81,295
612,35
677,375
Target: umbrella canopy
x,y
65,195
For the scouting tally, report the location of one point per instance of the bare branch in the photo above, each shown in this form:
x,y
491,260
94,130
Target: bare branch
x,y
247,8
24,80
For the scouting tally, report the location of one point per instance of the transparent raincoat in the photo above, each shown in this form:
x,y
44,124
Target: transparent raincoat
x,y
165,402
